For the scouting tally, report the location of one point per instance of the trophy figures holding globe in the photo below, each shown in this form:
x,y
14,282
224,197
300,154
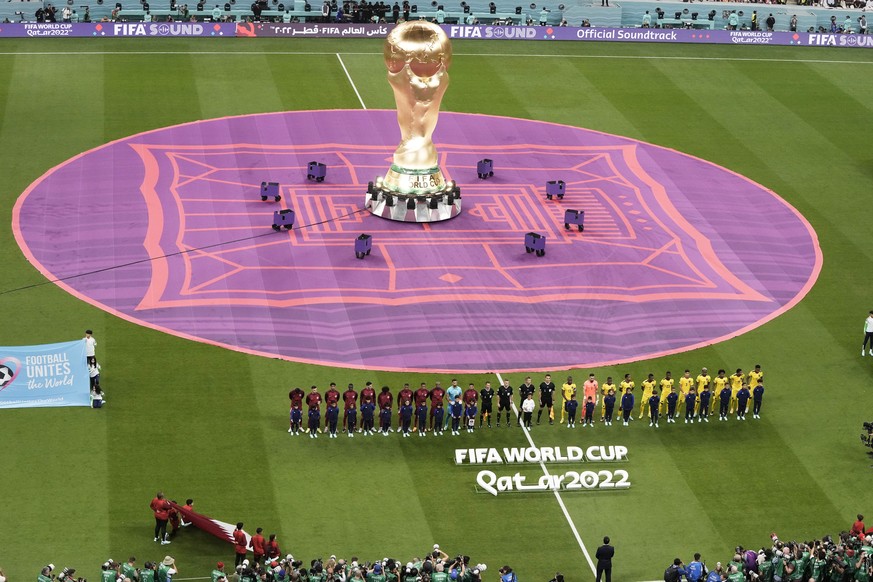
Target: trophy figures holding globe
x,y
418,55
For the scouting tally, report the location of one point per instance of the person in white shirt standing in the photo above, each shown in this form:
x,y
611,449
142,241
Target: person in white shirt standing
x,y
868,334
527,408
90,344
94,373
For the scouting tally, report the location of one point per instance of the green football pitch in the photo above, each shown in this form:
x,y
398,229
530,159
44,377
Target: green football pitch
x,y
199,421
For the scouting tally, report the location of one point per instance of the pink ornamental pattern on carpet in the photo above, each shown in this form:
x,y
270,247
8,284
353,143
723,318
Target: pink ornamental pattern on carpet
x,y
676,252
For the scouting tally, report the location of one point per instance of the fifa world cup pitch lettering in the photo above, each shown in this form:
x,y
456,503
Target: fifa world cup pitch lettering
x,y
568,481
588,480
511,455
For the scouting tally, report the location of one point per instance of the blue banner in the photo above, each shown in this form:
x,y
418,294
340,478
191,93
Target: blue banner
x,y
46,375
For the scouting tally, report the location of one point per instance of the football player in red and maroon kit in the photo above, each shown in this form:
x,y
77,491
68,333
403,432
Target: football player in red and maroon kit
x,y
383,401
470,398
331,397
350,412
368,393
436,401
313,401
402,396
296,397
296,414
420,398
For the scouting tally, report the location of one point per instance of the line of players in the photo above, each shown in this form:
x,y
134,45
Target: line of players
x,y
456,409
699,396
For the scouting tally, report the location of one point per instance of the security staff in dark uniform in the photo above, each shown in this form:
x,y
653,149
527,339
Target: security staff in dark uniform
x,y
604,560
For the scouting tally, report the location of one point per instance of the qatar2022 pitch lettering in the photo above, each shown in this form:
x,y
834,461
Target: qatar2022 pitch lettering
x,y
418,55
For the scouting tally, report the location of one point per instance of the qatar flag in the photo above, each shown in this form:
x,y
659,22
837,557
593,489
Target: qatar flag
x,y
220,529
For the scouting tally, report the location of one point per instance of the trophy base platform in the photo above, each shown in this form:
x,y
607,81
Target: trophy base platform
x,y
425,208
413,196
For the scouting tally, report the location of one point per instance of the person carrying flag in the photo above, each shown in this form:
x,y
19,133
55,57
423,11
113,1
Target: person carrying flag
x,y
161,508
240,544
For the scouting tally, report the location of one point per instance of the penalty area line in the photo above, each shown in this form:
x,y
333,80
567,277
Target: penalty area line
x,y
349,77
555,491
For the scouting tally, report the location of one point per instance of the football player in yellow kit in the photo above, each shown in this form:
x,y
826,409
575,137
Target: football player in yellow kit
x,y
604,392
719,382
756,377
568,390
648,388
685,384
703,379
666,387
737,381
625,385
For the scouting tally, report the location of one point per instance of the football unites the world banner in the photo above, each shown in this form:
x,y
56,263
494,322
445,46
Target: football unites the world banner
x,y
44,375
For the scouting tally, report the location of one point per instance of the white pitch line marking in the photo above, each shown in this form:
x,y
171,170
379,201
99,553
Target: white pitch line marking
x,y
349,77
555,491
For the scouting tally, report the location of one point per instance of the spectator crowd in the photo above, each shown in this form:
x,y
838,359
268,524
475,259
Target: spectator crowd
x,y
270,566
844,558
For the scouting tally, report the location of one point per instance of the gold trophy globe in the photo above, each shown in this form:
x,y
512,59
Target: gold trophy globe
x,y
418,55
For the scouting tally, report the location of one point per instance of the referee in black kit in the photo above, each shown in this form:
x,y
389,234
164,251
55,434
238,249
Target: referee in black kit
x,y
604,560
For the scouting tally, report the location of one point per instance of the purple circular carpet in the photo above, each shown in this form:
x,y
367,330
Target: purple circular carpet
x,y
676,252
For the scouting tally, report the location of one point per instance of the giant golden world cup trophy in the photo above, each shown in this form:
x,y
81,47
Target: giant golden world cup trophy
x,y
414,189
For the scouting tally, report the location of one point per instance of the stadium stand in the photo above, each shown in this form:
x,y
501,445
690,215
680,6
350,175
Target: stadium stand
x,y
625,13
